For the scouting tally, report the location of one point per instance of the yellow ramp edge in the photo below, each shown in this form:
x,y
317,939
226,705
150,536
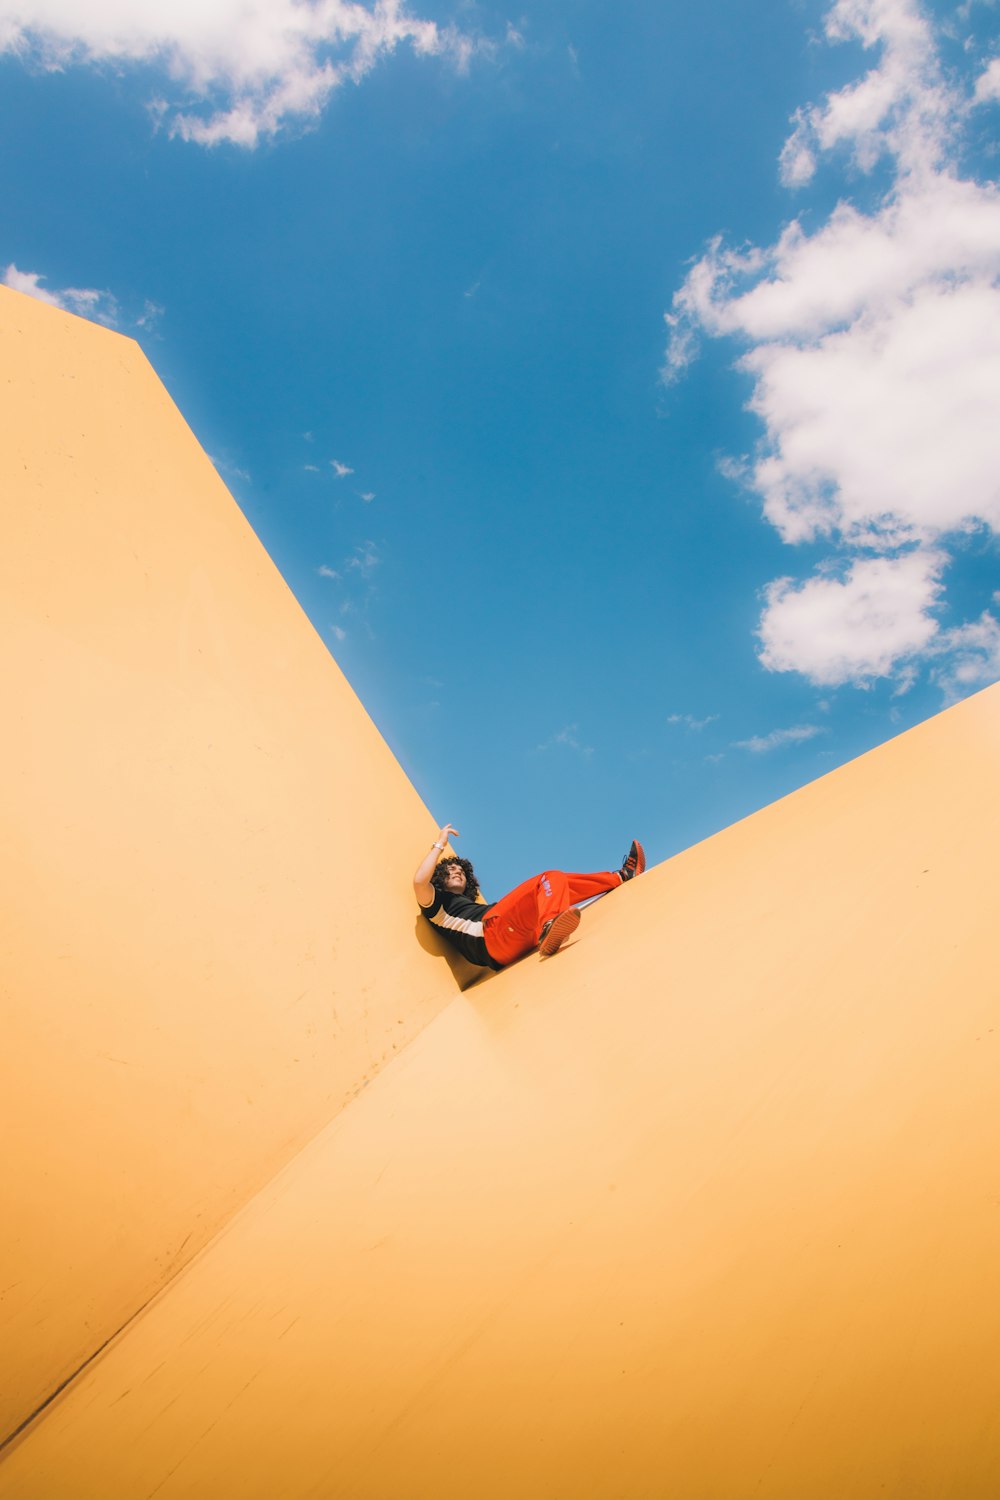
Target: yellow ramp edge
x,y
196,972
707,1206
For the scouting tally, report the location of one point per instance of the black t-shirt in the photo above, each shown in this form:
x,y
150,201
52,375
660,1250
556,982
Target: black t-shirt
x,y
460,920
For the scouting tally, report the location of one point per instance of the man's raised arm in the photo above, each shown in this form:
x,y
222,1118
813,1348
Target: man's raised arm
x,y
422,879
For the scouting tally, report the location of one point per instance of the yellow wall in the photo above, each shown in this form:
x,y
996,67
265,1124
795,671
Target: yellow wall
x,y
705,1207
208,928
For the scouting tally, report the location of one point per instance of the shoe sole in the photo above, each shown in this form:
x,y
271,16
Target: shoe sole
x,y
640,861
566,922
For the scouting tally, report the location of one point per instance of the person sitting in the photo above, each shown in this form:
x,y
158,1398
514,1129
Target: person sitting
x,y
539,913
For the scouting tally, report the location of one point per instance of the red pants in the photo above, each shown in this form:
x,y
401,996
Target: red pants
x,y
514,926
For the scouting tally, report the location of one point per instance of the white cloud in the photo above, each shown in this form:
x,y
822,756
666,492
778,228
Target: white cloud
x,y
760,744
326,572
853,628
30,282
367,496
930,231
245,68
885,432
900,107
341,470
988,83
86,302
339,632
970,657
873,343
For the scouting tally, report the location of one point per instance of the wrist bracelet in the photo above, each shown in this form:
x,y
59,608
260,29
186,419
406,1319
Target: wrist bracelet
x,y
437,846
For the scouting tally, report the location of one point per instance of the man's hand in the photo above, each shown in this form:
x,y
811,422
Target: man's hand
x,y
422,879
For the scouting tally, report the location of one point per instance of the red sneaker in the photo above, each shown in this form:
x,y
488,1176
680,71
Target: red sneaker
x,y
555,933
634,862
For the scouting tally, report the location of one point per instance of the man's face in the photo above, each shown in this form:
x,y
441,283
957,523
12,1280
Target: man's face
x,y
454,879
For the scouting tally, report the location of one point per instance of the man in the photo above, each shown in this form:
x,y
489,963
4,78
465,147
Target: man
x,y
538,914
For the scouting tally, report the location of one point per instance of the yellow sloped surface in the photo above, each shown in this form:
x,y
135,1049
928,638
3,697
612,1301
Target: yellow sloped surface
x,y
195,972
704,1207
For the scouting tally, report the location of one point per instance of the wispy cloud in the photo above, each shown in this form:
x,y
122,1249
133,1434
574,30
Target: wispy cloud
x,y
567,738
355,587
873,343
690,722
760,744
230,470
364,559
341,470
86,302
969,656
311,468
367,496
239,73
150,316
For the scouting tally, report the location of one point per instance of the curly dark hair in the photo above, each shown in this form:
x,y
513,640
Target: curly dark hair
x,y
471,883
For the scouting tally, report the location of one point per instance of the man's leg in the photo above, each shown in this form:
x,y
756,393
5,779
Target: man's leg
x,y
582,887
511,929
515,924
570,888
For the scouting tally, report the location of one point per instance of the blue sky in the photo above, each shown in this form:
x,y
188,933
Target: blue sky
x,y
616,388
